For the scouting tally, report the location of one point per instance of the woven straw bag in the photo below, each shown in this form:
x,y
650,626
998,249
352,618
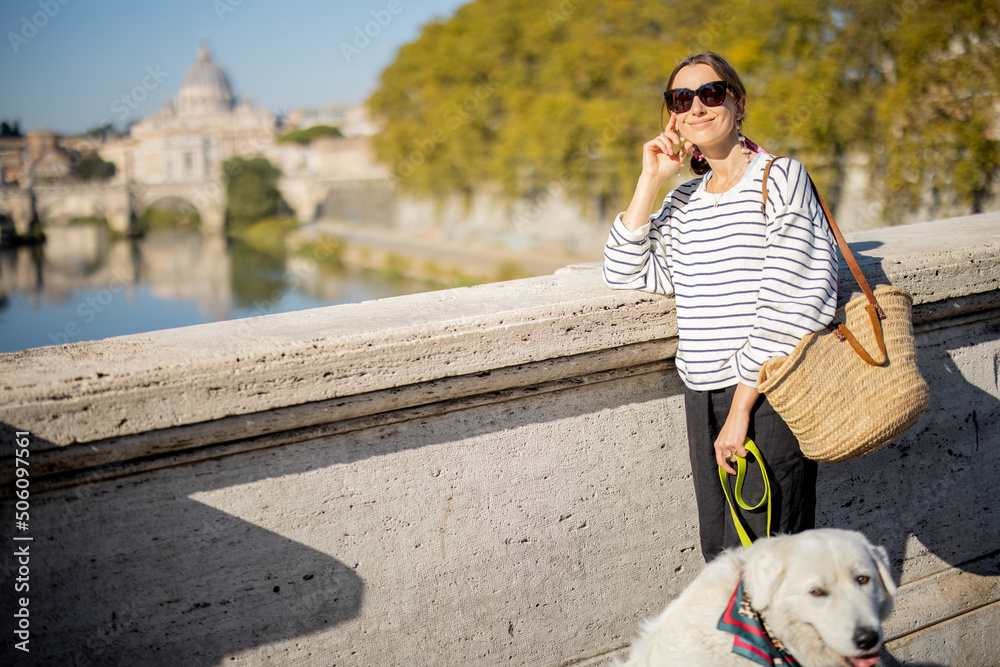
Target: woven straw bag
x,y
839,400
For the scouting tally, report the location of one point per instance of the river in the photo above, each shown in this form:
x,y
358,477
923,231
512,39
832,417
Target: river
x,y
80,285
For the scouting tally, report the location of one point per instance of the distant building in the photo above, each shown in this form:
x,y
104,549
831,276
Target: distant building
x,y
352,121
178,152
189,140
50,161
13,157
301,119
41,155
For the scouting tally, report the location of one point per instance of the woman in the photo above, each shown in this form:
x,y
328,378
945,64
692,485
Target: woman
x,y
747,286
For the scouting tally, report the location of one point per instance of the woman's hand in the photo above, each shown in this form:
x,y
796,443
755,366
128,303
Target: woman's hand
x,y
662,156
734,432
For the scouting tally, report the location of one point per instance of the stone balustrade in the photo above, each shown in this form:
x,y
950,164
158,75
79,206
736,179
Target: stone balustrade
x,y
492,475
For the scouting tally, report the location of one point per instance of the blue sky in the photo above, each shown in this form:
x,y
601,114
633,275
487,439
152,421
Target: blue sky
x,y
65,64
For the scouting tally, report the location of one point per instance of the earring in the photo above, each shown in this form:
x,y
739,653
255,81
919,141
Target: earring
x,y
743,142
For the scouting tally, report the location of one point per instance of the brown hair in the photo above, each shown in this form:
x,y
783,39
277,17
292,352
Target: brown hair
x,y
699,164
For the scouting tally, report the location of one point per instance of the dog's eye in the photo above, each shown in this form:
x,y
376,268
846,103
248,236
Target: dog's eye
x,y
817,592
863,580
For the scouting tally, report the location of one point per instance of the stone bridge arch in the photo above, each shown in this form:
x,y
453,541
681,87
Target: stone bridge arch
x,y
209,199
57,202
188,214
119,202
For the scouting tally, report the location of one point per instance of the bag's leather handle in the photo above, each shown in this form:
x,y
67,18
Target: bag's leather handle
x,y
874,310
845,334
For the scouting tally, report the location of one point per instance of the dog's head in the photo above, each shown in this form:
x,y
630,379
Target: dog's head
x,y
823,593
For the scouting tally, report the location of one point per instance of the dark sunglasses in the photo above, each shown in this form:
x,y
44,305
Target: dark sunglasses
x,y
712,94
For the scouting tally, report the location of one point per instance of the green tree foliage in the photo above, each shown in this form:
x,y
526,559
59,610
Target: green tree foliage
x,y
527,93
251,190
309,134
93,168
926,95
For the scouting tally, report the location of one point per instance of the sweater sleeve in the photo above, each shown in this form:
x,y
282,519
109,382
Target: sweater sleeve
x,y
639,259
798,289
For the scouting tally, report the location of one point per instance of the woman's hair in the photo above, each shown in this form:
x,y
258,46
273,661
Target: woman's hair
x,y
699,164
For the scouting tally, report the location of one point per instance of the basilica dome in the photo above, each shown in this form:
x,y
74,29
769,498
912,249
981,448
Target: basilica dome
x,y
205,89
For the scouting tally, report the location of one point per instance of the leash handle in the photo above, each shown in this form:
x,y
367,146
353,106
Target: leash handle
x,y
741,473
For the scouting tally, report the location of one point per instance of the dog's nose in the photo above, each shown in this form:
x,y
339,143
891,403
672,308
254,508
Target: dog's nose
x,y
865,638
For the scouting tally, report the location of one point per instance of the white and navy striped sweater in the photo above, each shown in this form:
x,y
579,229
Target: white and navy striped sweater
x,y
747,286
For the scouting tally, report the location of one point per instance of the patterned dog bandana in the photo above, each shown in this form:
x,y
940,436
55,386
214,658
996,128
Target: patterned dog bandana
x,y
753,640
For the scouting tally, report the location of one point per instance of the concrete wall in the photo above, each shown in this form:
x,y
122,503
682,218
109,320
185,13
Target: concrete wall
x,y
493,475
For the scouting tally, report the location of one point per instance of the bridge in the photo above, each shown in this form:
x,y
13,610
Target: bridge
x,y
495,475
120,203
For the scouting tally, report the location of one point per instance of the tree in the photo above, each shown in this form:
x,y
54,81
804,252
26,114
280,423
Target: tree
x,y
525,93
93,168
100,133
309,134
251,190
929,85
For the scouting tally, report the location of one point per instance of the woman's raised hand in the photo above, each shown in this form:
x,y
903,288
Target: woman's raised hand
x,y
662,157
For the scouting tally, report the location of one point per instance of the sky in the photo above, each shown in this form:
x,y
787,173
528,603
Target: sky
x,y
72,65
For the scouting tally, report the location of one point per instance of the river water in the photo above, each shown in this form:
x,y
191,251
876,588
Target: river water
x,y
81,286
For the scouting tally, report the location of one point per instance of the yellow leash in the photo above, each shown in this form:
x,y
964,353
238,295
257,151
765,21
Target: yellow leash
x,y
741,473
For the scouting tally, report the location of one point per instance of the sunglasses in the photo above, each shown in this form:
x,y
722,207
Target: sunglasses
x,y
712,94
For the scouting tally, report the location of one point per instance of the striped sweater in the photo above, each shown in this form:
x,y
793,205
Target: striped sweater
x,y
747,286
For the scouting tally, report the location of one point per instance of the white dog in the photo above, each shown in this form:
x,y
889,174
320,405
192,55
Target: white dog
x,y
821,596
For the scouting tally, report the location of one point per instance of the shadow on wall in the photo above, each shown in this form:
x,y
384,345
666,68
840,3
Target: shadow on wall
x,y
886,660
135,571
192,585
187,584
938,482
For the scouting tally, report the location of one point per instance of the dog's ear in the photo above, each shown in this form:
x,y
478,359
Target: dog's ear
x,y
881,558
764,570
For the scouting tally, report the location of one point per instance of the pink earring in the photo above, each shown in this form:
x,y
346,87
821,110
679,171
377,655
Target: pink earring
x,y
743,142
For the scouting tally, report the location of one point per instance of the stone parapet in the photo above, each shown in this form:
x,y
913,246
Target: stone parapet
x,y
485,475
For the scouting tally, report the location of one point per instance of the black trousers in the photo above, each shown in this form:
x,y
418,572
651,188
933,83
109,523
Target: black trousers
x,y
792,476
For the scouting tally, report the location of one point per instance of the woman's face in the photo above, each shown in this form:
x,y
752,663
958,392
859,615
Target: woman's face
x,y
704,125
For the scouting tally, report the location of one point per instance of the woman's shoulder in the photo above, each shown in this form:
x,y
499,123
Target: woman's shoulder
x,y
790,183
785,169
